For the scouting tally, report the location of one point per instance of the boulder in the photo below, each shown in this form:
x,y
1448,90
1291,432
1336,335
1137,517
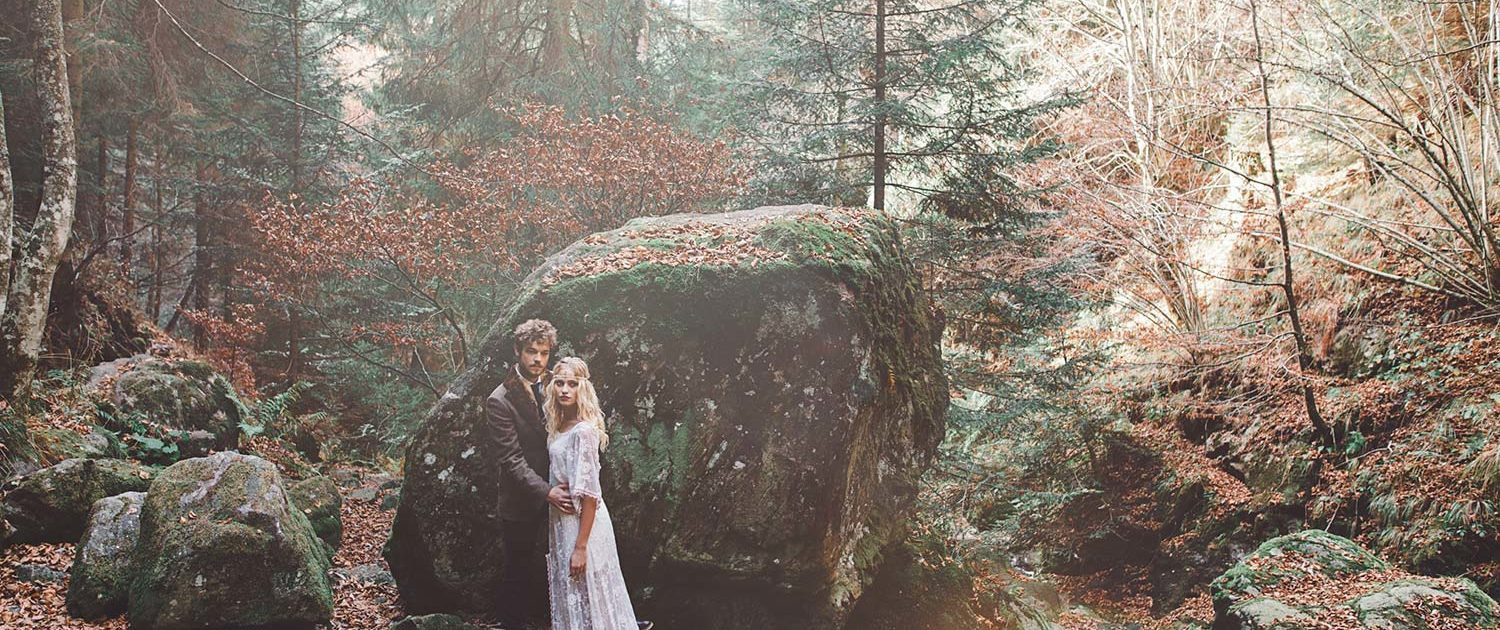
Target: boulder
x,y
100,576
222,546
318,498
1314,579
762,456
53,504
175,396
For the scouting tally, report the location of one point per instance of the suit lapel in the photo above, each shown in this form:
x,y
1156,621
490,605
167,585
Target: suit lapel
x,y
518,392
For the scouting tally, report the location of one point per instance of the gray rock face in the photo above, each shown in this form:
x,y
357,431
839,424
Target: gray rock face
x,y
318,499
1254,595
100,578
773,389
222,546
52,504
180,394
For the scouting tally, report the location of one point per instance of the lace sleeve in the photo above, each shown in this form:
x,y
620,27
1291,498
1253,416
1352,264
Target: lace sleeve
x,y
586,471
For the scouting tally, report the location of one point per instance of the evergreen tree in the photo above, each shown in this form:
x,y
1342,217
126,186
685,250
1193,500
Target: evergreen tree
x,y
875,96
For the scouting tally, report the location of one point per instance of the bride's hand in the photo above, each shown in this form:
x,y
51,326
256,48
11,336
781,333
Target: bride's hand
x,y
577,564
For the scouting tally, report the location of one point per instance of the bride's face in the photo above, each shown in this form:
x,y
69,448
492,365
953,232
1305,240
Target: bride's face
x,y
566,383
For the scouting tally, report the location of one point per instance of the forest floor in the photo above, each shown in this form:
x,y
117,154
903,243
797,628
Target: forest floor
x,y
34,578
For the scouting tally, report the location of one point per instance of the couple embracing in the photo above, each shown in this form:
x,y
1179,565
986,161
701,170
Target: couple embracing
x,y
556,528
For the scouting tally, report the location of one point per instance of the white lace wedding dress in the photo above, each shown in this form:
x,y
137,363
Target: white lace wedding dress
x,y
596,601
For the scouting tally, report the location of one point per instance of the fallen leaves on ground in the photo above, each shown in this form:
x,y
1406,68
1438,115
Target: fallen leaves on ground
x,y
42,604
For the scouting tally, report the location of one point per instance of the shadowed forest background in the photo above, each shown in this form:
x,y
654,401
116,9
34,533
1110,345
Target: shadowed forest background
x,y
1211,273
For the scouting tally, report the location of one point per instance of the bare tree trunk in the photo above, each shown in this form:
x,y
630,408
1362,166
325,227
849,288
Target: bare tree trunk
x,y
72,11
43,246
880,156
1304,355
294,324
555,35
153,300
99,222
7,213
127,206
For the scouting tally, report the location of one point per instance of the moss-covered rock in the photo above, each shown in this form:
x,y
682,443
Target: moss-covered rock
x,y
100,577
1314,579
222,546
318,498
774,389
53,504
169,399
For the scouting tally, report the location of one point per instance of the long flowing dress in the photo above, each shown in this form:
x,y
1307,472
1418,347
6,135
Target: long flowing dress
x,y
597,600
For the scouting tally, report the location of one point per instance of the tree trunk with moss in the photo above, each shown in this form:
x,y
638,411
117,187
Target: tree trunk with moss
x,y
41,247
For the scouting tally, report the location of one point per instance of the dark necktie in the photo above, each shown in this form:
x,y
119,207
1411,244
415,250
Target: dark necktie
x,y
536,389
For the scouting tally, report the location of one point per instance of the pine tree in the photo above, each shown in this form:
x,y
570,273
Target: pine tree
x,y
871,97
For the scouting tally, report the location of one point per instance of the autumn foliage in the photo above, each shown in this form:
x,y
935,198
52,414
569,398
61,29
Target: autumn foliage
x,y
390,265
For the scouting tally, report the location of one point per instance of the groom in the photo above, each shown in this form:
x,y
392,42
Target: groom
x,y
515,408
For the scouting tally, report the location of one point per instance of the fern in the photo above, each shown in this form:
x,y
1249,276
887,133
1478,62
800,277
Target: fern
x,y
270,414
1485,468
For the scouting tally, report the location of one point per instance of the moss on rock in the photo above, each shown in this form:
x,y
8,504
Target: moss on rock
x,y
774,389
222,546
53,504
1314,579
99,581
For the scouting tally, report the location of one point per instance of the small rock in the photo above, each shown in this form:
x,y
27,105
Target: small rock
x,y
390,502
364,494
433,622
197,443
390,484
38,573
372,573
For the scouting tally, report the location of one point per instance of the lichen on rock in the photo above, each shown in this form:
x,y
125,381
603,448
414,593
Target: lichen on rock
x,y
774,389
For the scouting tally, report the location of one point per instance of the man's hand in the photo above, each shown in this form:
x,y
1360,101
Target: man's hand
x,y
561,499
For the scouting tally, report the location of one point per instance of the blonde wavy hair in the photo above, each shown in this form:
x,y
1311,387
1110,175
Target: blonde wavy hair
x,y
588,400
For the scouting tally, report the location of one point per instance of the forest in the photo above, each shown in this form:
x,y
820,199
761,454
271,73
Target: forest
x,y
947,314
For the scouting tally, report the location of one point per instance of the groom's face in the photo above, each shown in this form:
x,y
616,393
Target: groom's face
x,y
534,358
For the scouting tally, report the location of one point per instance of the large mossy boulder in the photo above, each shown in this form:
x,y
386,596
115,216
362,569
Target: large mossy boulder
x,y
100,578
1314,579
773,387
170,399
222,546
53,504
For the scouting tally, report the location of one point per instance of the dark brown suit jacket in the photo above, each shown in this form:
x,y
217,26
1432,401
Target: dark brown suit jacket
x,y
522,449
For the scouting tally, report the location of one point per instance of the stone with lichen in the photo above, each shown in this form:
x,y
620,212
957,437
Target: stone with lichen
x,y
222,546
773,388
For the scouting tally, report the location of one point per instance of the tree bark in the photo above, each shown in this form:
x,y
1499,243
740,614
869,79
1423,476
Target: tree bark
x,y
555,37
153,301
7,213
880,156
127,205
43,246
99,222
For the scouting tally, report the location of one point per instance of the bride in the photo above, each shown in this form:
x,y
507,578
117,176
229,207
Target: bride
x,y
583,568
